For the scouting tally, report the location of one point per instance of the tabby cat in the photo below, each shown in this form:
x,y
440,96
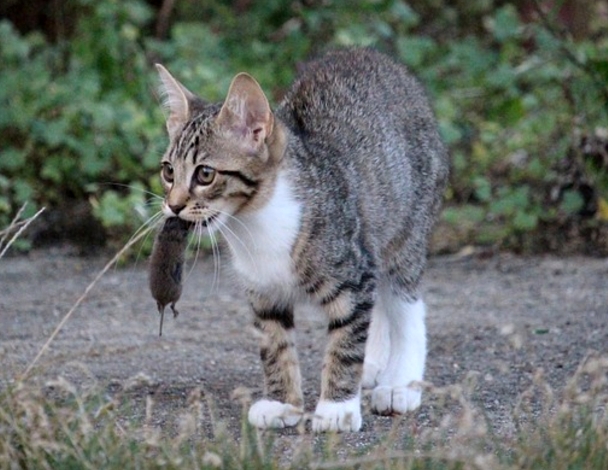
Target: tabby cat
x,y
329,199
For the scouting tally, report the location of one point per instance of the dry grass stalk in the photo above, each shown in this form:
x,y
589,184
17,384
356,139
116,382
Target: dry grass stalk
x,y
67,316
568,430
16,225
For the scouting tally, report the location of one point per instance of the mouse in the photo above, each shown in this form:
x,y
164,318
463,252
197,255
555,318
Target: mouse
x,y
167,264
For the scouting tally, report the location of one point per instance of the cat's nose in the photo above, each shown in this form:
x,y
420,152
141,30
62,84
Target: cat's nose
x,y
177,208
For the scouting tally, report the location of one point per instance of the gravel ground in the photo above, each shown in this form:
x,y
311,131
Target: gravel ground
x,y
499,319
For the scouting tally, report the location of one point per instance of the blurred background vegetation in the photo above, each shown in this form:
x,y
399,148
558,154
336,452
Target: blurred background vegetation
x,y
520,90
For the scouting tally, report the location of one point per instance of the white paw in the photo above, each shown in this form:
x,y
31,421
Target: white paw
x,y
273,414
371,371
395,400
337,415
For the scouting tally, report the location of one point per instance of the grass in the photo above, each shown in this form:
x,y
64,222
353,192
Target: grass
x,y
61,426
18,225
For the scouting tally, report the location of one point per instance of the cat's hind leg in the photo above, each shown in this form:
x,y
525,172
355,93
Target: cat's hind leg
x,y
396,391
377,347
282,404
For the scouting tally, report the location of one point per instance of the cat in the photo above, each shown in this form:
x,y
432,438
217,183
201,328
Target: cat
x,y
329,199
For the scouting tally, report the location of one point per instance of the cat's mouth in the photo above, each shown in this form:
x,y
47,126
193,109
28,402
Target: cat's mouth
x,y
186,223
201,222
205,222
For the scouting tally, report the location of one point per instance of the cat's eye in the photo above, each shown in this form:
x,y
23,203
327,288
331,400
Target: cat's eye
x,y
205,175
167,172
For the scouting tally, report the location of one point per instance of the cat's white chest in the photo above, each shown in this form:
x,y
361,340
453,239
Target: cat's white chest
x,y
261,243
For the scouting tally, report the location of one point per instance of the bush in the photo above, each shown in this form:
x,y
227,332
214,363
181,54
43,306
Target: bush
x,y
514,112
519,104
77,117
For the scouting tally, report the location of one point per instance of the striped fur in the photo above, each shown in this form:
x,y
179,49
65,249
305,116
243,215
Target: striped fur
x,y
329,199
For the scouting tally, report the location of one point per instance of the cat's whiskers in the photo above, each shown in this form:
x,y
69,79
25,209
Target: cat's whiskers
x,y
221,226
151,221
155,201
216,261
231,217
136,188
199,232
148,225
196,231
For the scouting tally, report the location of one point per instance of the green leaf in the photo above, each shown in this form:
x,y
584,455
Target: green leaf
x,y
110,210
483,188
466,213
524,221
23,191
404,14
572,201
354,35
505,24
12,159
415,50
511,200
54,132
509,111
601,67
450,133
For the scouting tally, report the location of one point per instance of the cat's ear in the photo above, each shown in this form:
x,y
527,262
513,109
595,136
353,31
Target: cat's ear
x,y
177,99
246,113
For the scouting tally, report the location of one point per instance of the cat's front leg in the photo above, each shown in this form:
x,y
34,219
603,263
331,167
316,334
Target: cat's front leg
x,y
282,404
339,408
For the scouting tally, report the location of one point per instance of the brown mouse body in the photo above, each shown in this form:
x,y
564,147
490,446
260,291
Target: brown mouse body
x,y
167,263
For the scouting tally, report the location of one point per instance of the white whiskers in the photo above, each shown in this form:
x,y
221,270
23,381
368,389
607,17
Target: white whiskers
x,y
148,226
231,237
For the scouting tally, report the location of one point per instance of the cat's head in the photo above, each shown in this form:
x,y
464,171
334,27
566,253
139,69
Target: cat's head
x,y
222,158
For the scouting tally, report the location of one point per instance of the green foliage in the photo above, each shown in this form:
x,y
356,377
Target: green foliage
x,y
77,114
511,116
513,99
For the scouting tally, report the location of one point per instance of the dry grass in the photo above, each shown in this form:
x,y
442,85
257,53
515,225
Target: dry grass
x,y
61,427
17,226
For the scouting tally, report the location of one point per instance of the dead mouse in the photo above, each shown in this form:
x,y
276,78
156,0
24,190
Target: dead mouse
x,y
167,263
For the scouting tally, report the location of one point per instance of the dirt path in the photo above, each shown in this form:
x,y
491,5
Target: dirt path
x,y
503,318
